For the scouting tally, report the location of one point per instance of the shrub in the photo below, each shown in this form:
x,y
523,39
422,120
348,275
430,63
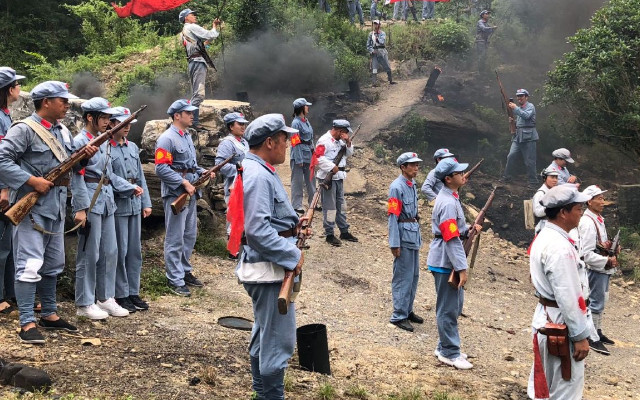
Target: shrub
x,y
449,37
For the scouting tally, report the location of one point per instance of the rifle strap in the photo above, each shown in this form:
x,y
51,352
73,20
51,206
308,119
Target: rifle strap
x,y
47,137
599,238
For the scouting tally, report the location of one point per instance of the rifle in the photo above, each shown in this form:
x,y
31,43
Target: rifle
x,y
454,277
202,49
326,182
512,121
178,204
468,174
611,251
288,286
21,208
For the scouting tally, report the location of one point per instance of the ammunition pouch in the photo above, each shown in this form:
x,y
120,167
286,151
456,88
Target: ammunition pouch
x,y
558,345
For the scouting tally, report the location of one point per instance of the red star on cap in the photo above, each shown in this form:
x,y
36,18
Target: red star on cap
x,y
413,155
126,111
188,101
66,85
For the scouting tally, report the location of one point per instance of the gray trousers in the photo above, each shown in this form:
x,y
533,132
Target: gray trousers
x,y
198,77
599,294
324,5
428,9
481,50
96,264
449,302
334,208
528,152
398,7
353,7
179,239
129,255
406,9
380,60
7,270
39,259
404,283
374,11
300,178
273,340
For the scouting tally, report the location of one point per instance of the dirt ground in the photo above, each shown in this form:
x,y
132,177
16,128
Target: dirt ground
x,y
157,354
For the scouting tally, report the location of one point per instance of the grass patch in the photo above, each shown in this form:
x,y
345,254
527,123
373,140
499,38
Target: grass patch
x,y
379,150
357,392
153,282
413,394
629,237
326,392
211,245
288,382
444,396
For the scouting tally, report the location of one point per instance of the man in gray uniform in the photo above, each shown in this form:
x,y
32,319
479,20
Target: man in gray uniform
x,y
428,9
374,13
483,33
301,154
28,151
376,48
192,33
446,253
562,157
353,7
177,168
525,139
405,241
270,225
432,185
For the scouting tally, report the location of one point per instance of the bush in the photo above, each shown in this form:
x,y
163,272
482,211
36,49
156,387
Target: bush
x,y
449,37
442,38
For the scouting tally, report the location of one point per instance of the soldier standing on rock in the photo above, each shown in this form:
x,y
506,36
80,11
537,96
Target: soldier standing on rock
x,y
177,168
554,267
483,33
525,139
405,241
270,227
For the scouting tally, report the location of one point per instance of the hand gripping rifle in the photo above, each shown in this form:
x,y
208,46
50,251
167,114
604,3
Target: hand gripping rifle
x,y
288,285
454,277
326,182
178,204
468,174
512,121
610,251
21,208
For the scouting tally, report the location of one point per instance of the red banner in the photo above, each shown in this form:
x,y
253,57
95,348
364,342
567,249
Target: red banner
x,y
235,215
433,1
142,8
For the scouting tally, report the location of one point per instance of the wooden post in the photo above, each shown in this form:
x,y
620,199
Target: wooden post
x,y
529,220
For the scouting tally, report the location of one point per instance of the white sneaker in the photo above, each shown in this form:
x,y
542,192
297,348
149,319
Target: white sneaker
x,y
437,354
112,308
458,362
92,312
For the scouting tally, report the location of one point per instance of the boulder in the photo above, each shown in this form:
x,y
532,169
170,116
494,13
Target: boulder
x,y
32,380
23,107
9,371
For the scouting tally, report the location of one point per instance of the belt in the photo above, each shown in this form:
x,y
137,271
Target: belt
x,y
185,171
342,169
378,47
307,142
553,303
416,219
286,234
522,127
437,236
193,56
97,180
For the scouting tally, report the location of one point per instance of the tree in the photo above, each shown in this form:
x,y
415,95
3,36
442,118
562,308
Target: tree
x,y
597,82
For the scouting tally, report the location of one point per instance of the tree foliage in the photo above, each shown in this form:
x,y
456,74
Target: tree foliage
x,y
598,81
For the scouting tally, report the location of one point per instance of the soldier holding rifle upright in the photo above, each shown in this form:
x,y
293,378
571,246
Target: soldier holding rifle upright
x,y
28,151
525,139
270,230
376,46
177,168
560,325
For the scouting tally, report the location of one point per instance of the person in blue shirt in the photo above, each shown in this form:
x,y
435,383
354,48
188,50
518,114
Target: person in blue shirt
x,y
431,186
525,139
301,152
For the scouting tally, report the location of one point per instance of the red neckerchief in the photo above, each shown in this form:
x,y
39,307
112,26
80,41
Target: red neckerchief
x,y
303,119
409,183
113,143
238,138
455,194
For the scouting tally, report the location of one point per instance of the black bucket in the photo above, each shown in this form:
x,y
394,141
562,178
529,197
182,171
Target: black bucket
x,y
313,348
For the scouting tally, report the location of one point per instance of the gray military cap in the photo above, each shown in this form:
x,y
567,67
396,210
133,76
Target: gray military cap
x,y
98,104
183,14
442,153
180,106
549,171
561,195
448,166
342,124
522,92
266,126
563,154
593,191
407,158
297,103
234,117
122,114
8,76
51,89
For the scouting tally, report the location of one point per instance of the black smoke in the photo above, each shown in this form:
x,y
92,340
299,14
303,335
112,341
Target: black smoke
x,y
86,86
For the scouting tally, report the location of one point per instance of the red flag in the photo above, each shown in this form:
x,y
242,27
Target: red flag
x,y
433,1
235,214
142,8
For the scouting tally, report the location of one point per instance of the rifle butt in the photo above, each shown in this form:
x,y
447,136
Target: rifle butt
x,y
284,297
178,204
21,208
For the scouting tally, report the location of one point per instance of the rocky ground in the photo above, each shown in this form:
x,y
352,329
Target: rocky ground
x,y
178,351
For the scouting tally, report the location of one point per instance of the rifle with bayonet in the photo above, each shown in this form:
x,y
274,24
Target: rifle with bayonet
x,y
326,182
610,250
468,174
22,207
178,204
454,277
290,288
512,121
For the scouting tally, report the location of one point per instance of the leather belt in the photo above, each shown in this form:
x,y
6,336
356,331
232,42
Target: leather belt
x,y
553,303
378,47
194,56
416,219
97,180
342,168
307,142
437,236
286,234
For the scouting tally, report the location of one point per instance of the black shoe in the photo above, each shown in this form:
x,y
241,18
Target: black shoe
x,y
191,280
598,347
232,257
125,303
180,290
604,339
404,324
334,241
299,211
59,324
393,83
138,303
32,336
413,317
348,237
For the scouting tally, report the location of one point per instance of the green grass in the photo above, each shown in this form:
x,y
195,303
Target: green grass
x,y
412,394
379,150
357,392
153,282
211,245
326,391
288,382
444,396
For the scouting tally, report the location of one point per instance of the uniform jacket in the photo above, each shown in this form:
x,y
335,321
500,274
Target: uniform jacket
x,y
5,124
483,31
195,32
230,146
125,160
588,239
554,266
174,152
563,172
447,221
432,185
403,204
267,211
376,40
326,150
105,203
525,123
538,209
301,152
23,154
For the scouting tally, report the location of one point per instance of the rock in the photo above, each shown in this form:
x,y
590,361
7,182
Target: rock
x,y
9,371
505,226
509,357
507,379
612,380
142,332
32,379
23,107
90,342
166,365
469,196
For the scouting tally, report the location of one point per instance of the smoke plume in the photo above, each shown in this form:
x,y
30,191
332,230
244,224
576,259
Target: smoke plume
x,y
86,86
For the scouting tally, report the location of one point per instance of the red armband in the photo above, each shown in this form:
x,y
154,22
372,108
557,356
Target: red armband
x,y
394,206
449,229
295,140
163,157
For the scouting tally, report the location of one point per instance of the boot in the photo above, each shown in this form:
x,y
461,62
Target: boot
x,y
374,79
391,82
